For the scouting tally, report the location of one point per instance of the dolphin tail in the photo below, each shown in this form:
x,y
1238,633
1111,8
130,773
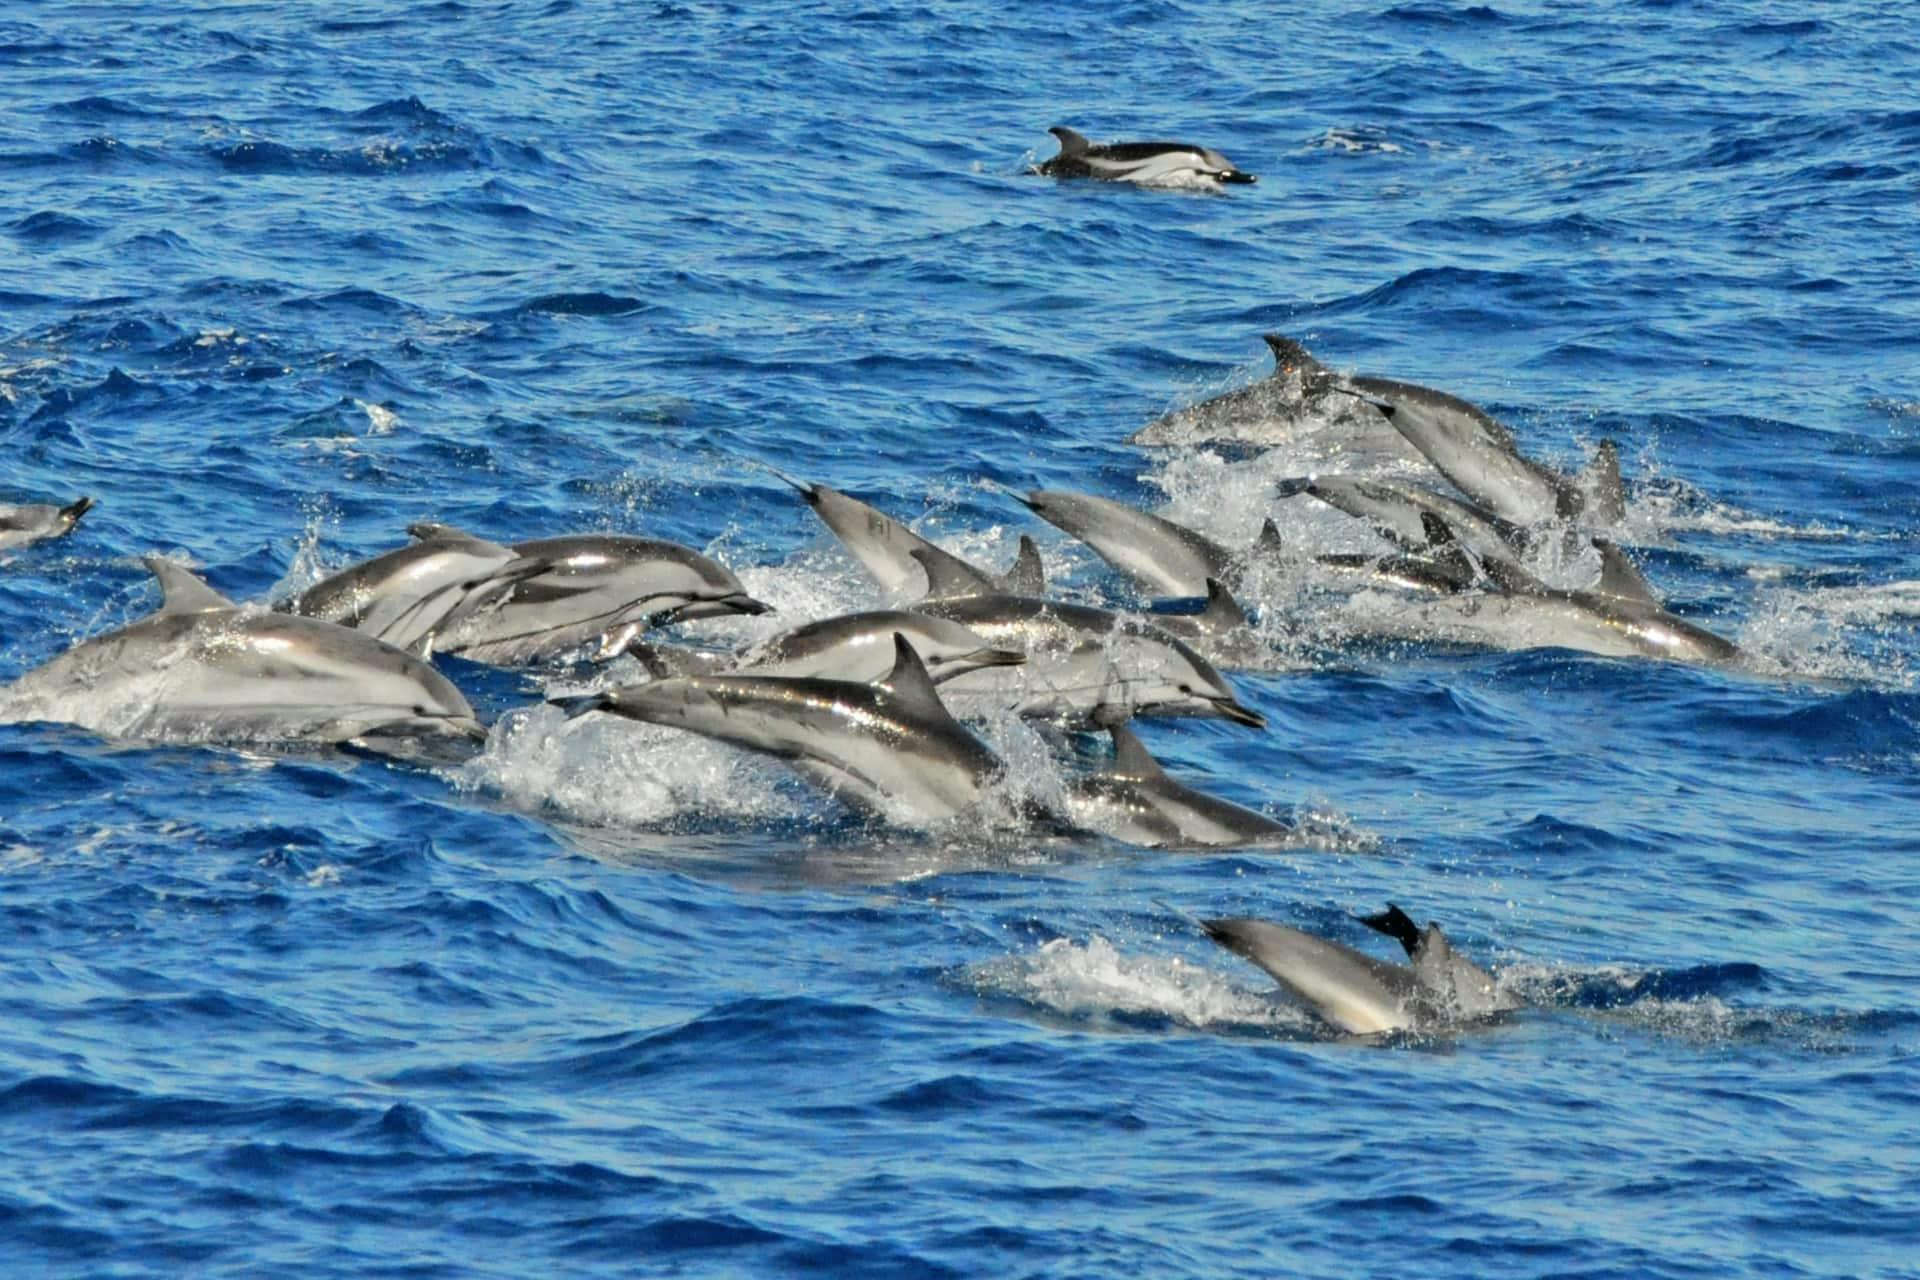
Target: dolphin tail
x,y
1396,924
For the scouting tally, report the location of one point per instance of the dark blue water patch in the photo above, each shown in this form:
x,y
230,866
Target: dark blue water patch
x,y
590,303
51,227
1419,15
99,107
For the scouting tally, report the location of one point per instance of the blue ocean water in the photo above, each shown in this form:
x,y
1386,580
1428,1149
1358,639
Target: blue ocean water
x,y
277,279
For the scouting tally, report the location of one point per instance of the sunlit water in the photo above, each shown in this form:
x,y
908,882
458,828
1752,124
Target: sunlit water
x,y
277,280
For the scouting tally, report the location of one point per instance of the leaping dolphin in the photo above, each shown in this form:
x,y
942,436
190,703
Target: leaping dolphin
x,y
1359,994
594,585
1146,164
31,522
863,647
885,746
1137,802
203,669
1157,553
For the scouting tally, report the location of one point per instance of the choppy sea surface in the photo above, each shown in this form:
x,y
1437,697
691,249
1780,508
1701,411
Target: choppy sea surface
x,y
277,279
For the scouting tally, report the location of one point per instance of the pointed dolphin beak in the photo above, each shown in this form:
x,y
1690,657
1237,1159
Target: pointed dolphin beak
x,y
979,658
1239,712
1238,178
717,607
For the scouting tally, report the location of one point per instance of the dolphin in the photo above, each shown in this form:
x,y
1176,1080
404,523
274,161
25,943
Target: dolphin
x,y
885,746
1357,993
1137,802
1083,663
886,548
1618,619
861,647
407,595
1157,553
1292,404
204,669
594,585
1146,164
28,523
1456,989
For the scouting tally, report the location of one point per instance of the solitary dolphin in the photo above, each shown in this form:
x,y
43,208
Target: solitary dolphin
x,y
1085,663
885,746
1357,993
407,595
594,585
32,522
1137,802
203,669
1146,164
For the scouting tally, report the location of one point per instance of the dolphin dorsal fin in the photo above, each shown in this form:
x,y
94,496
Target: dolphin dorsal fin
x,y
1071,143
181,590
1398,925
1289,356
1619,577
909,681
1601,479
1028,577
948,576
1130,755
1269,543
1223,612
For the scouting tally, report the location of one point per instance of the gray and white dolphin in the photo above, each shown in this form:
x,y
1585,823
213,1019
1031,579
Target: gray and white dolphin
x,y
1359,994
1137,802
1085,663
1146,164
408,595
594,585
863,647
886,746
203,669
1453,988
886,549
1157,553
24,524
1618,619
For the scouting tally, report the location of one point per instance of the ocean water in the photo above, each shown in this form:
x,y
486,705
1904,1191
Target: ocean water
x,y
277,279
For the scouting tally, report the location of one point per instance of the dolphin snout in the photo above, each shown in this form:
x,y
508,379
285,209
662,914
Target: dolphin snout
x,y
1238,712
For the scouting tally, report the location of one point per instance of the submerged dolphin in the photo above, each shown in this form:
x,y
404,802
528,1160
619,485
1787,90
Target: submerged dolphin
x,y
593,585
1359,994
407,595
28,523
203,669
900,559
885,746
1137,802
1147,164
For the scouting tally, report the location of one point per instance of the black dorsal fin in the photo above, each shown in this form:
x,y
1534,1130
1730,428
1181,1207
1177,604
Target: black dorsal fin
x,y
1269,542
1606,494
1130,756
1398,925
948,576
181,590
1071,143
909,681
1028,577
1289,356
1619,577
1223,612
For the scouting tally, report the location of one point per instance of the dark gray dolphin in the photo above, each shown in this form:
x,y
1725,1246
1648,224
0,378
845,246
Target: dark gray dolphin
x,y
31,522
1357,993
1137,802
593,586
1146,164
203,669
887,746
